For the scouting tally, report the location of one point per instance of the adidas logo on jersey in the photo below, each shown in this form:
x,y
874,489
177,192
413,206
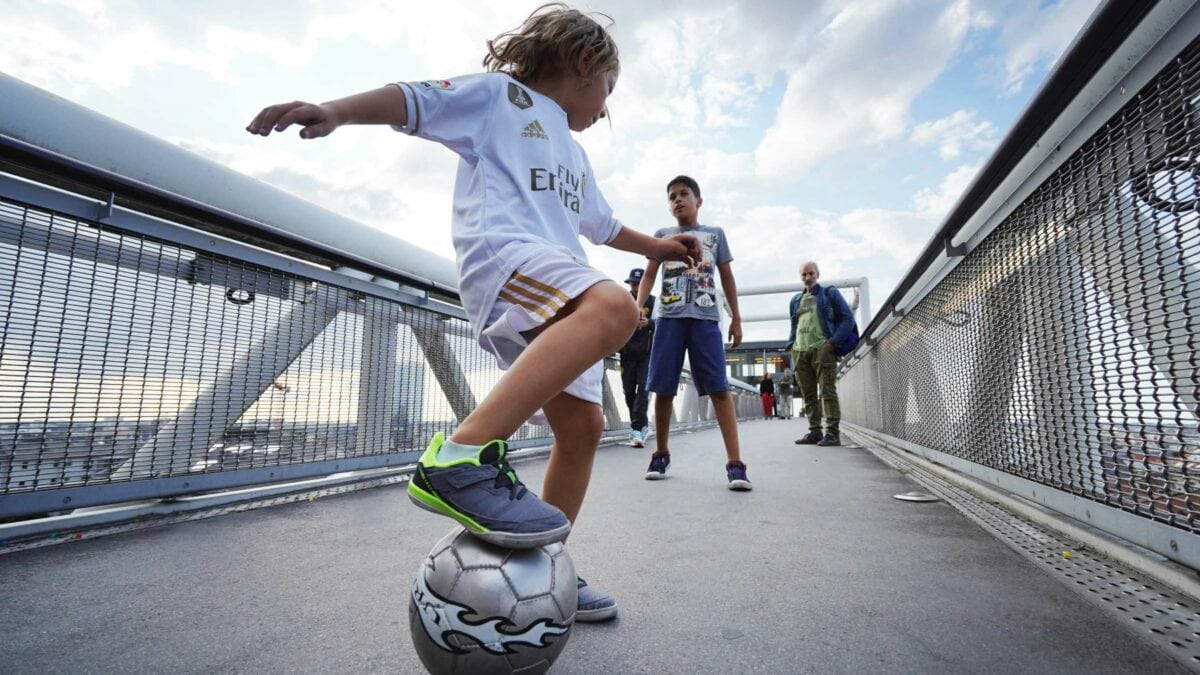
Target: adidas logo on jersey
x,y
534,130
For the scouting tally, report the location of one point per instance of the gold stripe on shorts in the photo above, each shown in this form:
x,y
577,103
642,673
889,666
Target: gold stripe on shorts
x,y
541,287
526,304
546,297
550,304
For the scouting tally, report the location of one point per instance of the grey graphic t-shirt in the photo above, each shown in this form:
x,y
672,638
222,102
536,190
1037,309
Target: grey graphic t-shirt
x,y
690,292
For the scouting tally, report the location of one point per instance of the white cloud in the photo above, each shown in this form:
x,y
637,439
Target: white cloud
x,y
936,204
701,84
400,188
75,48
704,69
955,133
51,57
858,80
1034,36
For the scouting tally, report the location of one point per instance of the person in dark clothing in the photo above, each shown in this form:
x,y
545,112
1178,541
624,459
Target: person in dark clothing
x,y
635,364
766,389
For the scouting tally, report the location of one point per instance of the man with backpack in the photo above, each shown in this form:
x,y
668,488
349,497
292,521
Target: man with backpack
x,y
823,330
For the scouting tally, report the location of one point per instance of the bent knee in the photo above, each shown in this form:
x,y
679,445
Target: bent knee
x,y
585,425
612,310
591,425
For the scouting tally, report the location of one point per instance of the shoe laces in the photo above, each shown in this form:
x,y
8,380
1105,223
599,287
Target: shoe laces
x,y
508,477
505,476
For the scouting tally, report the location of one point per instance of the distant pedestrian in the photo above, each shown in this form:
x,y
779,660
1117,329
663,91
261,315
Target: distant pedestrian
x,y
635,364
766,389
784,391
821,321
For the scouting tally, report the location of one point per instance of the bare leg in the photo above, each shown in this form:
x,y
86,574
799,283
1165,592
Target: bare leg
x,y
592,326
664,406
727,420
577,427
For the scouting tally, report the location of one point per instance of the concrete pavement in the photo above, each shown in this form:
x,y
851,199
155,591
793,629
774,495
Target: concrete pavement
x,y
818,570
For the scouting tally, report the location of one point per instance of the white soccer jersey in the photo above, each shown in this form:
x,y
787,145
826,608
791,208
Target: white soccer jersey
x,y
523,184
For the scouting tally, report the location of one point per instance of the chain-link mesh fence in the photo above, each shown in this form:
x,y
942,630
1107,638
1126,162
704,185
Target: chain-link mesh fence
x,y
124,357
1063,348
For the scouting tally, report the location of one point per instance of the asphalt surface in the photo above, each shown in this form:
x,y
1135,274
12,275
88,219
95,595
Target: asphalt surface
x,y
818,570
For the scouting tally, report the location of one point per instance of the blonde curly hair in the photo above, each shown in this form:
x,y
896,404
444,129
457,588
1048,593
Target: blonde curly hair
x,y
555,40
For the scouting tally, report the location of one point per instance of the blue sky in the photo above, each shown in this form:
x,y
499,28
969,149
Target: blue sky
x,y
838,131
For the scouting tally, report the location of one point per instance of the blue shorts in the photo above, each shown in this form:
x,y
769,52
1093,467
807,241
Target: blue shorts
x,y
706,354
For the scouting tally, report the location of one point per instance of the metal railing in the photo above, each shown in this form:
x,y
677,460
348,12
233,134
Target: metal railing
x,y
1047,341
860,301
154,344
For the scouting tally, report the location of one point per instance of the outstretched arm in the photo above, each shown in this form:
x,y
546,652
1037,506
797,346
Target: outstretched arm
x,y
385,105
682,247
730,286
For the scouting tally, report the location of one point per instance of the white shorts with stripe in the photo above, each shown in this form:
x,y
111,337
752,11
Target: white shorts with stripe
x,y
532,296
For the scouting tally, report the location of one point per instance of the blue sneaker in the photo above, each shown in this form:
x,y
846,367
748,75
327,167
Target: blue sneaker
x,y
637,438
659,462
831,438
484,495
594,605
737,477
811,438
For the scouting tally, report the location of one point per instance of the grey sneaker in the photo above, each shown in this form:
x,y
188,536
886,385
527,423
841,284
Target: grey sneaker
x,y
659,462
811,438
594,605
485,496
831,438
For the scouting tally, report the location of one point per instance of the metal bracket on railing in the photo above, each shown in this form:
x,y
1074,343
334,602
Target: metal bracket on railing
x,y
105,211
953,251
898,313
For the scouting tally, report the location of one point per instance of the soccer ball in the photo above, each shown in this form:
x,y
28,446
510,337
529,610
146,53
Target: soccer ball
x,y
478,608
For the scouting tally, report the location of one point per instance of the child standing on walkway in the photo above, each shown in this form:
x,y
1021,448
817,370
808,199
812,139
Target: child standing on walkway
x,y
524,193
689,319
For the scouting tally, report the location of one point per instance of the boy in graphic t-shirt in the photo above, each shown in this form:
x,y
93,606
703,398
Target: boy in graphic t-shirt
x,y
689,319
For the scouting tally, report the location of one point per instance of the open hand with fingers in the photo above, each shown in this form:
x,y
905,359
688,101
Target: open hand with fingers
x,y
317,120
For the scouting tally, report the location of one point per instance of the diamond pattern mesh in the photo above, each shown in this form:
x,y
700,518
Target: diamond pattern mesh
x,y
1063,348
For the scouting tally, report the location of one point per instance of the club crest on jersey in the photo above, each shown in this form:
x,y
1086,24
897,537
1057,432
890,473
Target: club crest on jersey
x,y
437,84
519,97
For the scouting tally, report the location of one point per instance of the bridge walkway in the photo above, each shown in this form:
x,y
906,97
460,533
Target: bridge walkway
x,y
818,570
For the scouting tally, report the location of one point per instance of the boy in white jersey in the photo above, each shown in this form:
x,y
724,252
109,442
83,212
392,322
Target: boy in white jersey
x,y
524,193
